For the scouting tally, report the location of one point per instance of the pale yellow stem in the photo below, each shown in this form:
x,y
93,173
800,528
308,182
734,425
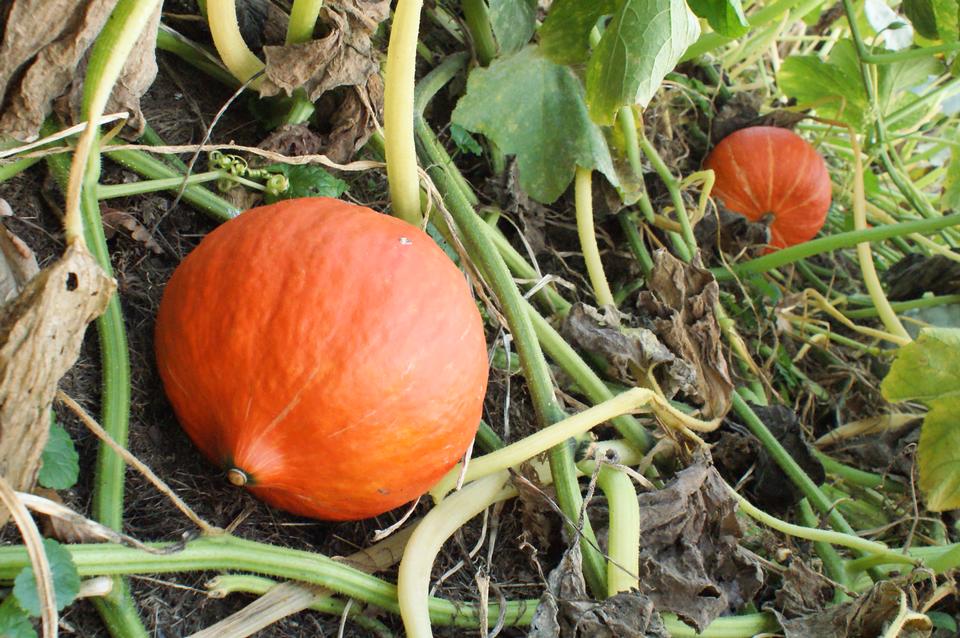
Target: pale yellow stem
x,y
236,56
583,198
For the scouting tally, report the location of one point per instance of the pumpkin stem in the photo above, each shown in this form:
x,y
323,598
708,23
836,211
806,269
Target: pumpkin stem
x,y
237,477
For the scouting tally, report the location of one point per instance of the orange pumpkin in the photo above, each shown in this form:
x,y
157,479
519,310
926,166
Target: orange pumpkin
x,y
765,170
329,357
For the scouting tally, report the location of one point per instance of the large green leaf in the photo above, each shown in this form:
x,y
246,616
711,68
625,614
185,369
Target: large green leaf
x,y
947,13
534,109
66,580
642,43
928,370
565,34
726,17
833,86
513,23
922,16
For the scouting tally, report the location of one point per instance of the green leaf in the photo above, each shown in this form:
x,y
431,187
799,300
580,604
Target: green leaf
x,y
534,109
642,43
897,77
565,34
951,183
947,13
834,87
513,23
928,370
726,17
922,17
60,463
66,580
464,141
14,623
306,180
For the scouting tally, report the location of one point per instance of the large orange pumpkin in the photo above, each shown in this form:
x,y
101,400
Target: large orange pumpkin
x,y
329,357
765,170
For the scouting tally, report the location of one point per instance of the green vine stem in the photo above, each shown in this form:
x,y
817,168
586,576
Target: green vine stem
x,y
223,586
474,233
628,221
193,54
832,561
113,191
673,186
152,168
832,242
236,56
623,545
931,301
858,477
152,138
398,116
225,552
303,20
583,197
627,122
16,167
477,18
413,580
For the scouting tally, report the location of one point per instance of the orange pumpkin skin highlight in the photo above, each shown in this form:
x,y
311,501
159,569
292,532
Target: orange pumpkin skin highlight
x,y
332,354
765,170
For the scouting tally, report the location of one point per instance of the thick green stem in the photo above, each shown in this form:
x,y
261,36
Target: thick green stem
x,y
583,191
903,306
624,537
398,113
831,243
858,477
303,19
628,221
631,143
832,561
16,167
193,54
477,17
539,382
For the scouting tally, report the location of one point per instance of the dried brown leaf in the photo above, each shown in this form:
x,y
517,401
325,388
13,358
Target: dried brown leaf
x,y
679,306
917,274
690,562
18,264
866,617
731,234
42,55
355,120
633,353
293,139
114,220
803,591
566,611
40,336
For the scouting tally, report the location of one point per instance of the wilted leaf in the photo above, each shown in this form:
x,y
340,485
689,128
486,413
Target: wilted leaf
x,y
916,274
803,591
565,34
534,109
293,140
731,234
40,336
306,180
928,370
726,17
38,65
60,462
355,119
680,306
632,352
66,580
641,44
114,220
866,617
513,23
18,264
690,562
566,611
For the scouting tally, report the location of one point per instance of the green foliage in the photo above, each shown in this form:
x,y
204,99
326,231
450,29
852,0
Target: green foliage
x,y
951,183
306,180
66,580
928,371
642,43
922,16
464,141
565,34
534,109
14,623
60,462
726,17
947,13
513,23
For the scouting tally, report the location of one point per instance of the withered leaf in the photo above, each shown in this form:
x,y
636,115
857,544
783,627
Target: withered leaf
x,y
679,306
631,352
866,617
917,274
803,591
40,335
735,114
38,65
114,220
293,140
731,234
18,264
690,562
566,611
355,119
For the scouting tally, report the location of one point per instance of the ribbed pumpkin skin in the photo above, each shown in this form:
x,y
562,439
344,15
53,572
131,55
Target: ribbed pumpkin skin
x,y
765,169
333,354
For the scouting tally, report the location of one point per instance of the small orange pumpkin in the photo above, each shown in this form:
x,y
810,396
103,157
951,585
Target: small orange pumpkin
x,y
766,170
329,357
